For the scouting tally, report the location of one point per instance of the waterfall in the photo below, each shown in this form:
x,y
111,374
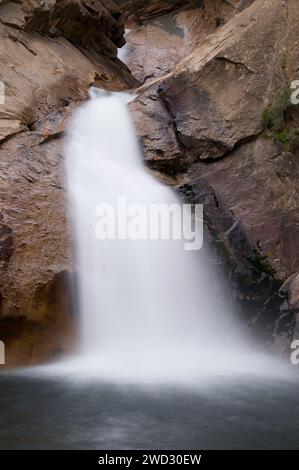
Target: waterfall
x,y
148,308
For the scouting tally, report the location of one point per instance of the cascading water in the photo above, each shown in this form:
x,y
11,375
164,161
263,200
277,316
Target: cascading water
x,y
161,364
148,308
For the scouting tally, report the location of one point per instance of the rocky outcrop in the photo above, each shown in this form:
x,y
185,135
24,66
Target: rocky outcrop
x,y
95,25
43,73
47,66
216,96
157,45
206,124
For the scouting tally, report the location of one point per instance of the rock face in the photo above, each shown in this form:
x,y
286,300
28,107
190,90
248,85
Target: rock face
x,y
50,53
293,298
143,9
94,25
157,45
209,124
43,73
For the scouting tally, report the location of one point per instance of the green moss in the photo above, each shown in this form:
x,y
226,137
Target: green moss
x,y
289,138
282,137
275,117
268,118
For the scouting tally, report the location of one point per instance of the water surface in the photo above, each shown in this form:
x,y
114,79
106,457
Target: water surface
x,y
45,413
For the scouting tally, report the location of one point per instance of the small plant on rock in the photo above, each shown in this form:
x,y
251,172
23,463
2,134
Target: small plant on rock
x,y
274,116
275,121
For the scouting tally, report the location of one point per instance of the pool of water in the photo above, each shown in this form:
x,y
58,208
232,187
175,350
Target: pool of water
x,y
47,413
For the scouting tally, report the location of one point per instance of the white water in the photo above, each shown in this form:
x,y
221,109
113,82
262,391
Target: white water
x,y
149,310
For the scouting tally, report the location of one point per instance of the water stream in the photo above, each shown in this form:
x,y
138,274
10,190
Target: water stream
x,y
162,362
149,309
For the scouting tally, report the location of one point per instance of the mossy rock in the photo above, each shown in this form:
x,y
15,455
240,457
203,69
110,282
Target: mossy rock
x,y
275,121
